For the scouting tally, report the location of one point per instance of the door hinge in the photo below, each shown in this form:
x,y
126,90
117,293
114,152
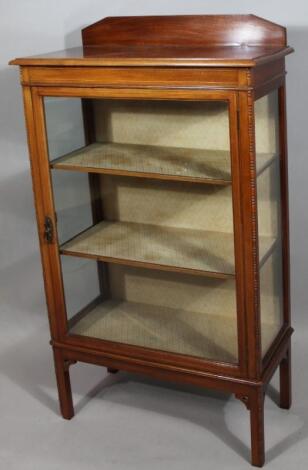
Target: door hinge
x,y
48,230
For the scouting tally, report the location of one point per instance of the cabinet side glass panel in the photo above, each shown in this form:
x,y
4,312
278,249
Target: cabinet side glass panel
x,y
153,264
269,217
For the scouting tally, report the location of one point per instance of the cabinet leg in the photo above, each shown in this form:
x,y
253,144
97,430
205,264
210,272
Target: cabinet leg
x,y
256,406
64,385
111,370
285,381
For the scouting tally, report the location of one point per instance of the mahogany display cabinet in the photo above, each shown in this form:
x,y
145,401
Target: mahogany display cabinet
x,y
159,164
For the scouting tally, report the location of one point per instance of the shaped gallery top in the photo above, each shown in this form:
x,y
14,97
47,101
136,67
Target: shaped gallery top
x,y
194,40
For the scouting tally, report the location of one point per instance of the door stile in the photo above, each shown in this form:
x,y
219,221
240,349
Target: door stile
x,y
238,229
52,264
250,248
38,192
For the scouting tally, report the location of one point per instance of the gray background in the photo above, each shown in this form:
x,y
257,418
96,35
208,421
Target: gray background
x,y
125,421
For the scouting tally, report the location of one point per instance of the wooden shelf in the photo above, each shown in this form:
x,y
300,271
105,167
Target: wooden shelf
x,y
157,247
149,161
200,334
161,328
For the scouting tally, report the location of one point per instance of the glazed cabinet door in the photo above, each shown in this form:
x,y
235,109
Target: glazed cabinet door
x,y
143,196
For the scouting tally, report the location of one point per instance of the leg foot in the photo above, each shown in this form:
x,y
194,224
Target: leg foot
x,y
111,370
64,385
256,406
285,381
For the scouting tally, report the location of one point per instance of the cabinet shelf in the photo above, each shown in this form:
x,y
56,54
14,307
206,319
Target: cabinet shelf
x,y
199,252
149,161
161,328
199,334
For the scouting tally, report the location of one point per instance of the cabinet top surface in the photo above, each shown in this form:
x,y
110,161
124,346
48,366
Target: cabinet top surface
x,y
200,40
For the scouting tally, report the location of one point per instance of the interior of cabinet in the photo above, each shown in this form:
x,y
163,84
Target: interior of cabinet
x,y
169,224
165,225
164,192
174,225
166,311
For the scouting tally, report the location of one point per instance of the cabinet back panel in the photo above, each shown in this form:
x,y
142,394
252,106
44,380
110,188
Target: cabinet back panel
x,y
173,204
185,124
201,295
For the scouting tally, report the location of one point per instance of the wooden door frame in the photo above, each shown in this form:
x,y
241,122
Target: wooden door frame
x,y
50,253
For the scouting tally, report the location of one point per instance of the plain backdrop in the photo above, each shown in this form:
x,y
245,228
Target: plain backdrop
x,y
129,422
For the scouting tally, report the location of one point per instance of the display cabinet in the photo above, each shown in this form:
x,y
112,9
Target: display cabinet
x,y
159,164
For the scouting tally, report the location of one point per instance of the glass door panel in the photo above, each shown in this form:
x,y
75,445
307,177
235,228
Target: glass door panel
x,y
72,199
269,216
143,195
65,133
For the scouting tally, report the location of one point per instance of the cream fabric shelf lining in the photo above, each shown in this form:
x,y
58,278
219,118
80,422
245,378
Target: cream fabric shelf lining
x,y
202,164
204,335
203,251
162,328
